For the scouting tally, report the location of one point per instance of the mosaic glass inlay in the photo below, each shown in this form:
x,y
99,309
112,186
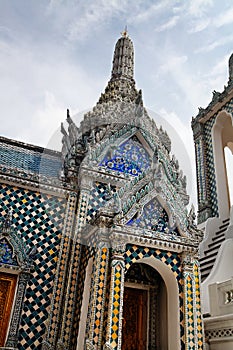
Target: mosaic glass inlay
x,y
6,253
129,158
153,217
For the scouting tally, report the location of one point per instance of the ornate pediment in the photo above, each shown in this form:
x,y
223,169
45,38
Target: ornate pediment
x,y
130,157
152,216
14,253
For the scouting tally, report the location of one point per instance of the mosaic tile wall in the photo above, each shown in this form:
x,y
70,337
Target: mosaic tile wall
x,y
86,254
97,296
38,218
29,160
198,318
200,171
190,330
107,296
211,166
116,292
98,197
134,253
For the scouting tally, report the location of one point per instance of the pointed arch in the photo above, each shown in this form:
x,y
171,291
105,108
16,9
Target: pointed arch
x,y
222,136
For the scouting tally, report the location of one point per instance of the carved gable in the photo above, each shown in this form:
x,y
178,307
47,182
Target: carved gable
x,y
129,158
153,217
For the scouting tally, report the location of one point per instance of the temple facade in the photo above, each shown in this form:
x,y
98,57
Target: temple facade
x,y
97,247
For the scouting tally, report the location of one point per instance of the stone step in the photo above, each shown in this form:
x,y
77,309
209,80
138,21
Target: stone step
x,y
207,266
215,248
213,254
217,237
204,275
208,260
216,242
221,231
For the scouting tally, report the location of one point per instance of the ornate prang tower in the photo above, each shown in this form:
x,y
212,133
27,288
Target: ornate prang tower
x,y
130,261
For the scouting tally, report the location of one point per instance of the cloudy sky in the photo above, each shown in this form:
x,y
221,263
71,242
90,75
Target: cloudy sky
x,y
57,54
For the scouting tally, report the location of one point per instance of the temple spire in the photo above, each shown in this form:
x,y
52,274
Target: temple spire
x,y
123,58
231,68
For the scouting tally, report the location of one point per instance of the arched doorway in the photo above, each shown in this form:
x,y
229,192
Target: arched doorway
x,y
168,315
145,309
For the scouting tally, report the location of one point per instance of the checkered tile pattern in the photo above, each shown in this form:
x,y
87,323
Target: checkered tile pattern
x,y
212,190
198,318
200,171
211,166
116,306
98,294
133,253
86,254
60,281
71,297
107,298
82,209
38,218
229,106
98,198
190,327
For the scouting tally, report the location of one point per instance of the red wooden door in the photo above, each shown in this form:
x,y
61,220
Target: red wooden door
x,y
7,292
134,330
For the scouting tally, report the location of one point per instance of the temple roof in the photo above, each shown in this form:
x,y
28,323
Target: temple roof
x,y
28,158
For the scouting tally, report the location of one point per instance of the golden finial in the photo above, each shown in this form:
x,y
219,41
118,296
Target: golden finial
x,y
125,33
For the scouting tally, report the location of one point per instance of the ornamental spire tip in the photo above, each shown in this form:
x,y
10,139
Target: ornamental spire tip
x,y
124,33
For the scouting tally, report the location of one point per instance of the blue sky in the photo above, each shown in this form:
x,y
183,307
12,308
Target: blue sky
x,y
57,54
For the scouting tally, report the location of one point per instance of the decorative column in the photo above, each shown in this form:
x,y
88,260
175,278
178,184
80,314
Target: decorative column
x,y
115,309
204,205
104,222
72,289
12,339
199,325
60,279
98,293
192,308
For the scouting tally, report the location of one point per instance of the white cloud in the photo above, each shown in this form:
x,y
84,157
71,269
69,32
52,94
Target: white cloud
x,y
172,62
168,25
144,15
48,119
199,25
224,18
219,68
94,16
197,8
215,44
37,88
